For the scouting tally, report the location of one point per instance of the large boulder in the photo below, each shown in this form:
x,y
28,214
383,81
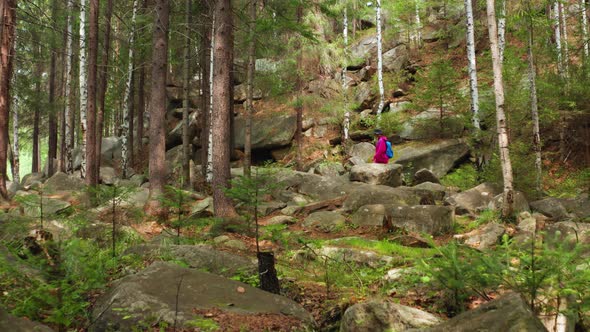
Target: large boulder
x,y
385,174
30,179
10,323
361,153
241,92
552,208
330,169
426,125
425,175
108,175
578,208
429,219
367,194
369,215
63,182
396,59
268,132
384,316
520,203
363,95
484,237
429,189
325,221
202,257
362,50
439,157
353,255
326,88
174,136
51,206
509,313
568,232
110,152
475,199
168,294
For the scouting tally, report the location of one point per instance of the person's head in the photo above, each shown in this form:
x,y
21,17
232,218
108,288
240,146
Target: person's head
x,y
378,132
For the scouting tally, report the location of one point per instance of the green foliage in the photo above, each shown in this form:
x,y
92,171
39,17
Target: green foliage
x,y
390,123
203,324
439,87
177,200
464,177
387,247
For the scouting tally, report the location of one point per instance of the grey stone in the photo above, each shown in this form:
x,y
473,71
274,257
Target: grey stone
x,y
363,151
568,232
375,194
330,169
552,208
51,206
399,106
281,220
353,255
63,182
10,323
174,136
437,191
136,199
324,221
384,316
425,175
235,244
484,237
108,175
268,132
578,208
439,157
169,293
419,127
475,199
266,208
240,93
138,179
203,207
429,219
363,95
110,152
396,59
383,174
221,239
31,178
369,215
509,313
397,273
520,204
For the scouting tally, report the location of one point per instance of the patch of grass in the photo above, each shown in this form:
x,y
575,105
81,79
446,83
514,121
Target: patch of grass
x,y
386,247
464,177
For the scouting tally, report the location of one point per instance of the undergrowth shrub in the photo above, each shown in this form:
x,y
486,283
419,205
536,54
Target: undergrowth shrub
x,y
464,177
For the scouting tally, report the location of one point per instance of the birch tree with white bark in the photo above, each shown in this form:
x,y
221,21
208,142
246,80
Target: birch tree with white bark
x,y
566,52
584,20
128,102
557,31
502,126
472,65
83,85
380,60
68,84
209,164
502,29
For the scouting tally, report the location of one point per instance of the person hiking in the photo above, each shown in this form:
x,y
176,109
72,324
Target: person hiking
x,y
381,148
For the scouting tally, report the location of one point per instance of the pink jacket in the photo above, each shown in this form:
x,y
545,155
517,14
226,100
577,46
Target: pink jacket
x,y
381,151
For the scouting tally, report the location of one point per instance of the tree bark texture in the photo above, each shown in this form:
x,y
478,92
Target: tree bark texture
x,y
584,19
502,126
67,147
502,29
37,115
15,144
102,82
250,88
209,160
556,22
92,174
83,86
186,146
472,65
220,123
380,61
52,123
267,272
7,37
205,60
157,128
534,106
566,52
127,149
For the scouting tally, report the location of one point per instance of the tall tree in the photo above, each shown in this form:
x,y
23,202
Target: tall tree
x,y
472,65
502,29
92,173
502,126
52,123
205,60
83,86
209,127
584,19
566,52
222,84
7,36
66,144
186,150
127,150
15,144
250,87
380,61
141,100
102,82
557,29
534,100
157,128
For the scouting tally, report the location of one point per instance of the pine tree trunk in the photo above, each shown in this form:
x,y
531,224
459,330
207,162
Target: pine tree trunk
x,y
157,127
299,107
472,65
502,126
584,19
250,89
83,86
15,146
380,62
186,147
534,106
102,82
205,60
7,36
222,84
141,101
127,150
52,123
92,172
37,115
